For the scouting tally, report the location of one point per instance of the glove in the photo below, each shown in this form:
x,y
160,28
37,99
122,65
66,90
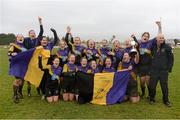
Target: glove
x,y
142,51
23,49
77,52
64,58
14,54
54,77
103,56
72,74
89,56
89,52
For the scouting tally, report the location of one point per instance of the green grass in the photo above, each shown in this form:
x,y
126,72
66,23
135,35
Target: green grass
x,y
33,107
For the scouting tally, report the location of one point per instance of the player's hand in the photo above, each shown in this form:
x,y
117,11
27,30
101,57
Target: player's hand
x,y
68,29
14,54
158,23
40,20
130,67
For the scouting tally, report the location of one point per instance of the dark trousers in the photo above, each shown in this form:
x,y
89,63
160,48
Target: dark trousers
x,y
161,76
42,85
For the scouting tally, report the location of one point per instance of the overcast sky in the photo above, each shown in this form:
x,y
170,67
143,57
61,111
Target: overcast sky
x,y
96,19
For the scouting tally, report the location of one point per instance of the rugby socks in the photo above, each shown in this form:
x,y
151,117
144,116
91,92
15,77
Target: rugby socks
x,y
20,91
29,90
15,96
143,90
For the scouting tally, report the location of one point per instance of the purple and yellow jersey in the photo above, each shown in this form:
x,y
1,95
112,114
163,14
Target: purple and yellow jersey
x,y
63,54
143,47
104,52
78,50
108,70
127,50
83,69
118,53
16,47
69,68
92,53
93,71
124,65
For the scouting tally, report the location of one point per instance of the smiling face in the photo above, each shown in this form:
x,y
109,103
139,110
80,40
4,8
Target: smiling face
x,y
126,57
160,39
104,43
77,41
44,42
108,62
116,44
83,62
32,34
145,36
93,64
91,44
20,38
62,44
128,43
71,59
56,62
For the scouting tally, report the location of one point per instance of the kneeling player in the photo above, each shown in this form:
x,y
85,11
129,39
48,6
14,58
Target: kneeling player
x,y
68,83
129,63
52,72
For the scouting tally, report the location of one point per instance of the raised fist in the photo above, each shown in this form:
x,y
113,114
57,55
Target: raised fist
x,y
40,20
158,23
14,54
132,35
68,29
52,29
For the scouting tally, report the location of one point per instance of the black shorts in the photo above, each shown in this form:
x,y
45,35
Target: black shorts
x,y
52,92
51,84
18,78
132,88
143,70
68,85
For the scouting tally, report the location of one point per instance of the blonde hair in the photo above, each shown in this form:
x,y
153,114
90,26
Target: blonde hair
x,y
63,42
90,41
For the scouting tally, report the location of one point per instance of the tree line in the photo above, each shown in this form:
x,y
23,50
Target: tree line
x,y
5,39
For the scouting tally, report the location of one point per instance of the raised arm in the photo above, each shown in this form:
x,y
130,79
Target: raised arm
x,y
41,27
158,23
136,59
69,39
55,36
135,39
152,42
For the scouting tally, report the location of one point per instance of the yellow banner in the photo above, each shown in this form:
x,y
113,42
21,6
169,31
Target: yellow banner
x,y
34,74
102,84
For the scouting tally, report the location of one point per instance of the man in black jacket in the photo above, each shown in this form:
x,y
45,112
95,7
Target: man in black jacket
x,y
162,63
